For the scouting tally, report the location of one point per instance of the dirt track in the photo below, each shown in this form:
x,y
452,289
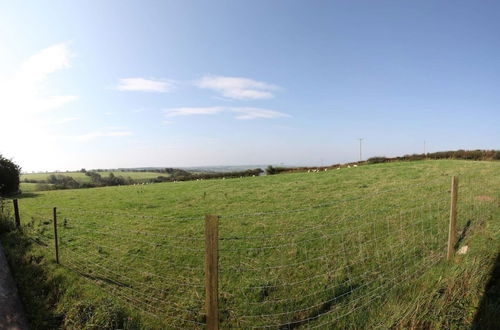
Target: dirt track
x,y
12,315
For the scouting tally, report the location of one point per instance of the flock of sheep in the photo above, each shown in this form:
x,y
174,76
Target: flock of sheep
x,y
308,171
338,168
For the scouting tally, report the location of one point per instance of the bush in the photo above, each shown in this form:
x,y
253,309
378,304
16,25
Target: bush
x,y
270,170
63,181
9,176
377,160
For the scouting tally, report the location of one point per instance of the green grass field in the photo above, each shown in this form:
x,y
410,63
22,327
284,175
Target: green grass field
x,y
82,178
353,248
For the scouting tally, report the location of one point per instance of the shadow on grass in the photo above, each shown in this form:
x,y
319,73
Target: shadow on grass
x,y
26,195
337,296
463,234
488,313
37,289
98,278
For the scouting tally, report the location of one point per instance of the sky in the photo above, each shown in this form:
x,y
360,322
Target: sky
x,y
107,84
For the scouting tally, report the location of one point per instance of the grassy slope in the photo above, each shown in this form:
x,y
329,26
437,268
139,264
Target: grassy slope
x,y
445,296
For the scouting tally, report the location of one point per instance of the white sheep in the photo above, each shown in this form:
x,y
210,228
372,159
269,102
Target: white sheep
x,y
354,165
326,169
338,168
308,171
348,166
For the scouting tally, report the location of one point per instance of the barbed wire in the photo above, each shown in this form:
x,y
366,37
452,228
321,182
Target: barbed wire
x,y
236,268
276,246
318,305
321,205
129,215
169,279
155,244
403,239
129,287
137,301
145,233
398,280
311,228
197,269
349,265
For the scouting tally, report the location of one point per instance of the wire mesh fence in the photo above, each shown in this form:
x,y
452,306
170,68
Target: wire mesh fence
x,y
306,266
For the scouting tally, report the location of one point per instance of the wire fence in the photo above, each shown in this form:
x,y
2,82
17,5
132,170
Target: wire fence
x,y
311,266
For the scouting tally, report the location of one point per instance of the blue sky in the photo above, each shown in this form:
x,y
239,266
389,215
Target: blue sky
x,y
103,84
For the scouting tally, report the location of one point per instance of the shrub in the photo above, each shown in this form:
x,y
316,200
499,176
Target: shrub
x,y
9,176
63,181
377,160
270,170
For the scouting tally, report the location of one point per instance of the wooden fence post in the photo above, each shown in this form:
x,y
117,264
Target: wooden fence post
x,y
16,214
56,242
212,271
452,232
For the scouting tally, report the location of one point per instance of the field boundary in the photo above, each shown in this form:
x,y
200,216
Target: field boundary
x,y
346,289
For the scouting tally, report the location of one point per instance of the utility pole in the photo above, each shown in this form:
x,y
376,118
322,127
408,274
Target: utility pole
x,y
360,154
424,147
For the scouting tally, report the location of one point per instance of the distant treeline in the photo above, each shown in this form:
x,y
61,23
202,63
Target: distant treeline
x,y
139,170
61,181
181,175
458,154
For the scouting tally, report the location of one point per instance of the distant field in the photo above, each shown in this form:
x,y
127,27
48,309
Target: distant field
x,y
81,177
327,249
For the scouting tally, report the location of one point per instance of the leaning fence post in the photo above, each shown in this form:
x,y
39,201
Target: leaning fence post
x,y
452,233
211,271
56,243
16,214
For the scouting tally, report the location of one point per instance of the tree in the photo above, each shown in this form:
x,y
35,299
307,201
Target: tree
x,y
9,176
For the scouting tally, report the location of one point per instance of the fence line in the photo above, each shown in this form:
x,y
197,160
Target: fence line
x,y
308,266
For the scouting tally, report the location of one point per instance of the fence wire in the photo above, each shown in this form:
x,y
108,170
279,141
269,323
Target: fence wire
x,y
307,266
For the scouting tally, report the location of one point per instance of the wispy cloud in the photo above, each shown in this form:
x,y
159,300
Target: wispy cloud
x,y
246,113
26,97
47,61
145,85
26,92
97,134
238,88
65,120
242,113
189,111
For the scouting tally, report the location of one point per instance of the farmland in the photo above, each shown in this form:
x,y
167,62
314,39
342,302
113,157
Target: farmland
x,y
355,248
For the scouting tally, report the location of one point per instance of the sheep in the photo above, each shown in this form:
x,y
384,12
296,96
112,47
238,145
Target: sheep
x,y
338,168
308,171
348,166
326,169
354,165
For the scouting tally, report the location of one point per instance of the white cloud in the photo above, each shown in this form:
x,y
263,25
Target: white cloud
x,y
45,62
254,113
238,88
65,120
243,113
26,92
188,111
97,134
145,85
26,98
